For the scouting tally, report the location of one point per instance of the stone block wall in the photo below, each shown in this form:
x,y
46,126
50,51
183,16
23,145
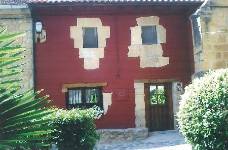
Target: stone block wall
x,y
18,19
213,53
122,135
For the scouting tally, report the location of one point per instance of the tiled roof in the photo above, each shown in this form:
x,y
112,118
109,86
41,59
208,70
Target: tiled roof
x,y
116,1
97,1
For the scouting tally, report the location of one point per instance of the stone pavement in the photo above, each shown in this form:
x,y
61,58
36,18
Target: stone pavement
x,y
163,140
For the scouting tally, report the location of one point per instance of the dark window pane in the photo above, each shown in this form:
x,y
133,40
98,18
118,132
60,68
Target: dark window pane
x,y
75,96
149,35
90,39
92,95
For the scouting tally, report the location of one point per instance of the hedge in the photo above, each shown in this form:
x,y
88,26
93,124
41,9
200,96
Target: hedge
x,y
75,129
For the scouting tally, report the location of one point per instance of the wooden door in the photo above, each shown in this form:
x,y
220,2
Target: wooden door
x,y
159,106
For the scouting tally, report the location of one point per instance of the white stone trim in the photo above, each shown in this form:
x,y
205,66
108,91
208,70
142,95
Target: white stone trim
x,y
161,34
140,119
91,56
41,37
150,55
147,21
107,101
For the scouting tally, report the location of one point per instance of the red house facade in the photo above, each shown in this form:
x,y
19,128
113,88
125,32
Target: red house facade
x,y
131,58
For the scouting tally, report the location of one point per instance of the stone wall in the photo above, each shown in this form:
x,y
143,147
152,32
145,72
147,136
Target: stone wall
x,y
213,52
17,18
177,91
122,135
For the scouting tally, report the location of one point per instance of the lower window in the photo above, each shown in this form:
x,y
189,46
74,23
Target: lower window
x,y
84,97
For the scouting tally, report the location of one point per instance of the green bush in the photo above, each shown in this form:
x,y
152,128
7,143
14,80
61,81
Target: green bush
x,y
203,112
75,129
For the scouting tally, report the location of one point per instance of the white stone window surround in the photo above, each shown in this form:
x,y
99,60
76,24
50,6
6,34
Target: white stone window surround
x,y
91,56
150,55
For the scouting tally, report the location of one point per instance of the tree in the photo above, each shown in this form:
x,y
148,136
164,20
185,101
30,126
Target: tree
x,y
22,121
203,115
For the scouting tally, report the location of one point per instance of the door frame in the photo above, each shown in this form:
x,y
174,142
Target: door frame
x,y
140,106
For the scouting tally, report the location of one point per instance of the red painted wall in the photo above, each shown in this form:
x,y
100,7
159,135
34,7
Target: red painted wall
x,y
57,61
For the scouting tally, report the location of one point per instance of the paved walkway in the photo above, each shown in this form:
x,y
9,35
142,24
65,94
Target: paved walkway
x,y
163,140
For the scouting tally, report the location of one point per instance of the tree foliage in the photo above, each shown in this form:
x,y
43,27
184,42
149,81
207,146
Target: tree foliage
x,y
22,122
203,113
157,96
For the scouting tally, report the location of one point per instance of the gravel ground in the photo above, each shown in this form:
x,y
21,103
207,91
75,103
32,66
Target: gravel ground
x,y
163,140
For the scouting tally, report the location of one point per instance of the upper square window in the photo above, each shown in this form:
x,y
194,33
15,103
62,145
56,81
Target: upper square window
x,y
84,97
90,38
149,35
